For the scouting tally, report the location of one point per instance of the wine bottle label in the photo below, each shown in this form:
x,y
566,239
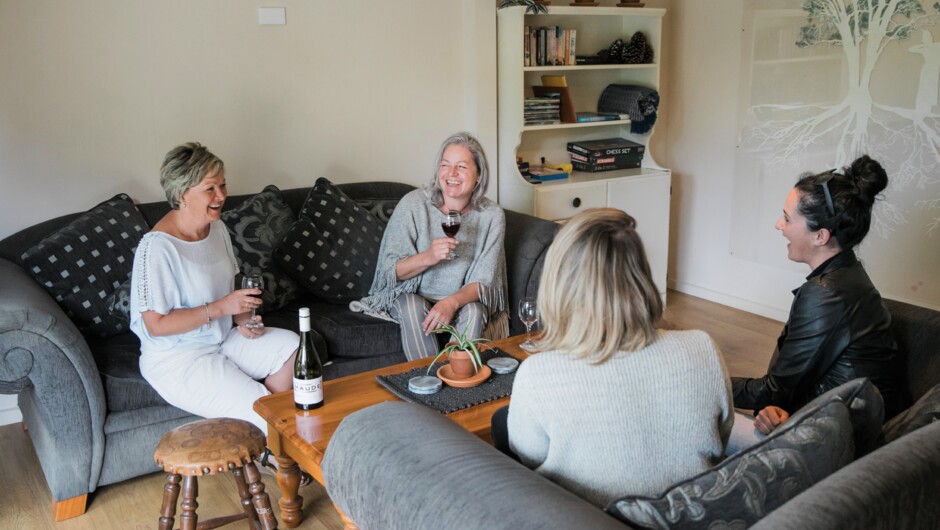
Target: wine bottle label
x,y
308,391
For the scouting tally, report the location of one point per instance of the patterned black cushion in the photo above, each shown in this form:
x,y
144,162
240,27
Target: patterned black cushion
x,y
331,250
119,304
925,411
747,486
257,226
87,260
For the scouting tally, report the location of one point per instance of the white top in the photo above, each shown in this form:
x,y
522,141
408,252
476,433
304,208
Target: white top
x,y
170,273
633,425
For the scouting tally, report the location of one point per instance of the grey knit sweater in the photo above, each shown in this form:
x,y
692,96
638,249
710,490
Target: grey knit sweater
x,y
482,259
635,424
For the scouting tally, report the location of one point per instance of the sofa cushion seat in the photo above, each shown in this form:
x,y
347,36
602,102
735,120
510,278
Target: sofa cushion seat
x,y
354,335
125,388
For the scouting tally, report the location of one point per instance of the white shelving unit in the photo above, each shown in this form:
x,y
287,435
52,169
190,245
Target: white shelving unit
x,y
642,192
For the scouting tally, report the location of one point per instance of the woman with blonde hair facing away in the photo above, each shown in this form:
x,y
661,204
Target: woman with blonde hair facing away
x,y
612,405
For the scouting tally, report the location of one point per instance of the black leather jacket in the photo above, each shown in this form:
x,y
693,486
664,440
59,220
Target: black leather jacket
x,y
838,330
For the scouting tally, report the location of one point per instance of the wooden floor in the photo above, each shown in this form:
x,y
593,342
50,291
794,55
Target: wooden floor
x,y
746,340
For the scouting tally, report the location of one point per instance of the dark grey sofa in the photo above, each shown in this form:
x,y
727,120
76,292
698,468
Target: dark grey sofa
x,y
92,418
382,474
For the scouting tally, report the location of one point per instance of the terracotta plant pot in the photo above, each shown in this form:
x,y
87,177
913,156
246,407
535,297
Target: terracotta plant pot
x,y
461,365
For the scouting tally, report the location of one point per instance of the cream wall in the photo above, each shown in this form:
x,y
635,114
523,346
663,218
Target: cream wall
x,y
702,84
94,93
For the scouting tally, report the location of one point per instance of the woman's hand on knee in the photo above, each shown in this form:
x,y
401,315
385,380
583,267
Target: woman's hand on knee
x,y
442,313
770,418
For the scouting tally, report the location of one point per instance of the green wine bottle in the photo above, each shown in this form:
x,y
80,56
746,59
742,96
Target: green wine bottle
x,y
308,372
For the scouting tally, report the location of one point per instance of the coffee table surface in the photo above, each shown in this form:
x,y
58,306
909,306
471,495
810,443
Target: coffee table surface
x,y
301,437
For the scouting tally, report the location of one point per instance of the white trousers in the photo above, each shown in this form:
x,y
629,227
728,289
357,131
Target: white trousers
x,y
221,381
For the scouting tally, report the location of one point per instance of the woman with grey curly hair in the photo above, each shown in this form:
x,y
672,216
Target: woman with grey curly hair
x,y
418,282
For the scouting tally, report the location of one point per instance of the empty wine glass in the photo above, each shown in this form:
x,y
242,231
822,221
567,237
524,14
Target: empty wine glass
x,y
451,226
529,315
253,281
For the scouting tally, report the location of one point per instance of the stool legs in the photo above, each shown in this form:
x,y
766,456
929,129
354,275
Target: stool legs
x,y
254,500
171,491
189,519
259,498
245,496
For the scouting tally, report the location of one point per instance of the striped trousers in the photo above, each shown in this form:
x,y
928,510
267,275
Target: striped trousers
x,y
410,310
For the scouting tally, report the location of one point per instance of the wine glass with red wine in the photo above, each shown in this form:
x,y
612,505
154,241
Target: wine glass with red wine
x,y
451,226
253,281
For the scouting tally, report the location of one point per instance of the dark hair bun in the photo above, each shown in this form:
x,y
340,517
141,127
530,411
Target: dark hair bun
x,y
869,177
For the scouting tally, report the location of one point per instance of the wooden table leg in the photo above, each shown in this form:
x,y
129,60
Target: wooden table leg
x,y
288,478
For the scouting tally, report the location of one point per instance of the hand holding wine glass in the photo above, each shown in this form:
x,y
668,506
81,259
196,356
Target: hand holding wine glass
x,y
451,226
253,281
529,315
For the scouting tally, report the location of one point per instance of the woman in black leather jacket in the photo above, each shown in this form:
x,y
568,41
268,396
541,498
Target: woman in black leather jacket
x,y
838,328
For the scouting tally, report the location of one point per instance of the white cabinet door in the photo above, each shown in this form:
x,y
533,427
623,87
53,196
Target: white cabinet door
x,y
561,202
646,199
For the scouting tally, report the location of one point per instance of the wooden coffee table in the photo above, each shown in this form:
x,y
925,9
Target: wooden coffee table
x,y
298,437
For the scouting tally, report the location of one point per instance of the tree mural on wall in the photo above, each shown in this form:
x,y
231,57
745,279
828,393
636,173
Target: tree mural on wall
x,y
858,123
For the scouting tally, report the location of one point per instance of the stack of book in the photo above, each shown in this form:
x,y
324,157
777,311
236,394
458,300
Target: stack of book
x,y
605,155
583,117
549,46
542,110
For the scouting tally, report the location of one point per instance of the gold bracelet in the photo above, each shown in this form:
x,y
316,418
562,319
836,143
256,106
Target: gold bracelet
x,y
208,316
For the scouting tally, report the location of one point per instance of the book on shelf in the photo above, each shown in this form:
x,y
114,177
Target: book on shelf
x,y
585,117
541,101
554,80
542,173
566,107
549,46
595,168
589,59
572,38
605,147
606,159
526,56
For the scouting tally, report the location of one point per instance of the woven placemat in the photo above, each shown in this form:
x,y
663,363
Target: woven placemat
x,y
450,399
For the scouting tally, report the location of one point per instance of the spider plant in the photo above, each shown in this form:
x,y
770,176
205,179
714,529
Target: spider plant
x,y
459,341
532,7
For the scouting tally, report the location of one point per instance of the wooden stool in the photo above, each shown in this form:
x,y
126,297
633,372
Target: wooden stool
x,y
208,447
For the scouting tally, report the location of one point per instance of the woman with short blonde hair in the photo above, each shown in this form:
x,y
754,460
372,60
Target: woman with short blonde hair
x,y
597,294
612,406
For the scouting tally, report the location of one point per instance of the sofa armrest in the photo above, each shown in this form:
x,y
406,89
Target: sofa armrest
x,y
46,360
401,465
527,240
893,487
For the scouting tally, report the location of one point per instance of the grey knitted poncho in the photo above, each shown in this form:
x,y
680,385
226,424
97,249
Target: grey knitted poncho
x,y
481,255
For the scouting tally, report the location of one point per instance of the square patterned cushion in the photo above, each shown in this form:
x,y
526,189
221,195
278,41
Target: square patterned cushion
x,y
84,262
257,225
332,248
747,486
925,411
